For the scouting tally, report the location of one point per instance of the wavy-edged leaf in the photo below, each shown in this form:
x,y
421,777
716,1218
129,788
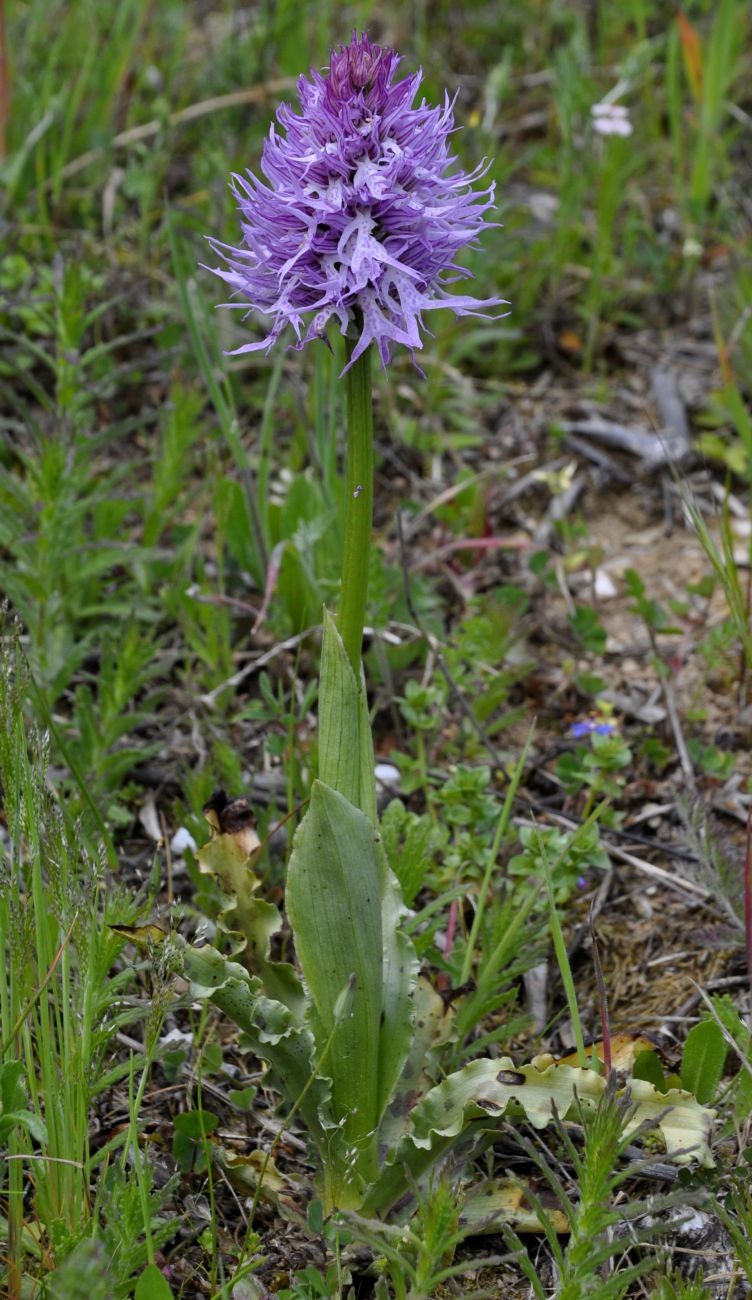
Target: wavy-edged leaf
x,y
273,1032
685,1125
251,922
345,741
543,1084
625,1049
225,983
400,972
465,1101
433,1021
142,936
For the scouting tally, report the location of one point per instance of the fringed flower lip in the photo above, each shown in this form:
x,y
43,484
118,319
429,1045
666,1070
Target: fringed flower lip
x,y
360,213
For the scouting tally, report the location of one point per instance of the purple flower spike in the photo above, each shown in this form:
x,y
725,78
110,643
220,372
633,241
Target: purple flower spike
x,y
360,216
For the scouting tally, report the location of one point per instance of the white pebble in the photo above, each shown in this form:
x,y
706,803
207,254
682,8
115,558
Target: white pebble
x,y
387,773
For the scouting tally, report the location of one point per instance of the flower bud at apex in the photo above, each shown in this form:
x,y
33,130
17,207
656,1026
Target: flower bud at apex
x,y
354,67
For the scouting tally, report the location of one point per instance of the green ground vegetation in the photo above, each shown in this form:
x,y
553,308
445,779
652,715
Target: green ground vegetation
x,y
170,529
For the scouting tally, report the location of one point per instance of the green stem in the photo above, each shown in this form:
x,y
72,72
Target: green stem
x,y
560,947
358,506
501,829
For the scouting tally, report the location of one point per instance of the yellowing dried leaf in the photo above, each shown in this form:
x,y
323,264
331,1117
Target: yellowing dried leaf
x,y
506,1202
141,935
625,1048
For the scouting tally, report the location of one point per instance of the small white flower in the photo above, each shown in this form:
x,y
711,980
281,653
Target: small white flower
x,y
182,840
603,585
691,247
611,119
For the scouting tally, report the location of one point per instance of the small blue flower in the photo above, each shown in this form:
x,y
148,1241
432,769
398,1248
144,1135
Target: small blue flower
x,y
592,727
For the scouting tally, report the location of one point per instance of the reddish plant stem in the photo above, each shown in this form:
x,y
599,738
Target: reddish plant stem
x,y
748,904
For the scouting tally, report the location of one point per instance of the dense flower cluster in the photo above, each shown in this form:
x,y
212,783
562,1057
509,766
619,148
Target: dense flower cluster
x,y
361,215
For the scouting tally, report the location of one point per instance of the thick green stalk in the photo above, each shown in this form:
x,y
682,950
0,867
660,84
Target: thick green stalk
x,y
358,506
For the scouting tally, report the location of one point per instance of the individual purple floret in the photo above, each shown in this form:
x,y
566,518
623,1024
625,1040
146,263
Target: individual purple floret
x,y
361,214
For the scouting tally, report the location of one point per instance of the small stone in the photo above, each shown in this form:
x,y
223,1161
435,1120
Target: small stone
x,y
387,773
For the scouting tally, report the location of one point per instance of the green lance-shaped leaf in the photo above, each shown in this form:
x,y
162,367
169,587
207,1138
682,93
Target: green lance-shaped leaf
x,y
334,898
486,1090
12,1095
703,1059
152,1285
345,742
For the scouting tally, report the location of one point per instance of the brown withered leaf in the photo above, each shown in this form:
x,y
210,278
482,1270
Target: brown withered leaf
x,y
233,817
285,1193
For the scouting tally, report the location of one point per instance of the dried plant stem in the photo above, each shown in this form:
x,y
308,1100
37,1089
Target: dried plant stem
x,y
358,505
192,113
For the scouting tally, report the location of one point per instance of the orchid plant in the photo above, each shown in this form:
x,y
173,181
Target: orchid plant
x,y
358,223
